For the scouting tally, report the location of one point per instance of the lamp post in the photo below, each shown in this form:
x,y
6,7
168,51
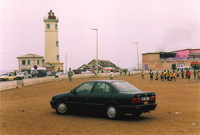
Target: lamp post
x,y
96,50
137,55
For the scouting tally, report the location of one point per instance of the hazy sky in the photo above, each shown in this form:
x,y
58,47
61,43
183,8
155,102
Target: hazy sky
x,y
157,25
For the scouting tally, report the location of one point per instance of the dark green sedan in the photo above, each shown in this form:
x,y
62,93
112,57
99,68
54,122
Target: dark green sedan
x,y
111,97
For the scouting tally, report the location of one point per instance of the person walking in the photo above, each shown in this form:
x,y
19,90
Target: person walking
x,y
70,74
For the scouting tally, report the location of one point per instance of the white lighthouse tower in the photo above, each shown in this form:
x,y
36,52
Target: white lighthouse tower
x,y
51,51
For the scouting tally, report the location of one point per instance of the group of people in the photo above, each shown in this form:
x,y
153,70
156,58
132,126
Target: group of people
x,y
172,75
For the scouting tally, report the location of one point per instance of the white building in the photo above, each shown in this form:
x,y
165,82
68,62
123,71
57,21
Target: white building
x,y
28,61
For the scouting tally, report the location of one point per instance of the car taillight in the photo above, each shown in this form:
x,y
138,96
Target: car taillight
x,y
152,98
136,100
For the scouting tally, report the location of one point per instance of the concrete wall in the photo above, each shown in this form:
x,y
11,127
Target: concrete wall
x,y
8,85
32,81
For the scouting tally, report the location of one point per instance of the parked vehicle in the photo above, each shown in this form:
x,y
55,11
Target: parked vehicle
x,y
39,72
23,75
7,77
59,74
111,97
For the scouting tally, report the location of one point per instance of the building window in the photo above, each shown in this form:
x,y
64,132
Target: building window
x,y
38,62
57,43
56,26
47,26
23,62
58,58
29,62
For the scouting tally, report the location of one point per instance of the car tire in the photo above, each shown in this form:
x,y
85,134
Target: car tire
x,y
112,112
62,108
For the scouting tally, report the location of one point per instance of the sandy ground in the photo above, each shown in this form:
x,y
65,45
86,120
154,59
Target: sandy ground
x,y
26,111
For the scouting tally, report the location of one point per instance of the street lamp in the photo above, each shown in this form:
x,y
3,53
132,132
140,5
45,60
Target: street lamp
x,y
137,55
96,50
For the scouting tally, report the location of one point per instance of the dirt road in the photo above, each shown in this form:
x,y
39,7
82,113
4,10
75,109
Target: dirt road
x,y
26,111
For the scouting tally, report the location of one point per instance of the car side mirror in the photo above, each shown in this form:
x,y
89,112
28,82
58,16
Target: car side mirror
x,y
73,92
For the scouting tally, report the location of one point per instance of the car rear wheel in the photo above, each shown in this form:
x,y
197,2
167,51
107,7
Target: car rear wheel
x,y
112,112
62,108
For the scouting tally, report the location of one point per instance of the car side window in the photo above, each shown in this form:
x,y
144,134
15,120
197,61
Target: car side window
x,y
102,87
85,88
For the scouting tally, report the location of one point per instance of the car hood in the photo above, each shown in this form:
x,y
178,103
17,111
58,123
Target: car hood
x,y
60,95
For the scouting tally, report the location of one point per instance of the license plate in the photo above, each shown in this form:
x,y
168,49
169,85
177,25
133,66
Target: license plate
x,y
146,102
145,98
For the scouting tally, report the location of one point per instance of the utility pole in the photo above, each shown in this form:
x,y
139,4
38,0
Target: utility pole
x,y
66,62
137,55
96,50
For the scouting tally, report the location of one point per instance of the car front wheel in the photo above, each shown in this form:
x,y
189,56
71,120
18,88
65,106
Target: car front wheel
x,y
112,112
61,108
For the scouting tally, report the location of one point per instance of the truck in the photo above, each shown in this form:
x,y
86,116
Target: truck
x,y
23,75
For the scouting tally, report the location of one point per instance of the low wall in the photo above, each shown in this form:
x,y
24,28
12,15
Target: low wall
x,y
25,82
32,81
8,85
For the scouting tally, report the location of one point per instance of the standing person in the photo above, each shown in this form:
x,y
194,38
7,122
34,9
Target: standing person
x,y
120,72
198,75
151,75
162,76
173,76
70,74
177,75
156,78
142,73
167,75
188,75
195,74
111,75
182,74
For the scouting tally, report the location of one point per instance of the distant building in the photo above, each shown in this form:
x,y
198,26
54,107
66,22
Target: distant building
x,y
28,61
171,60
103,66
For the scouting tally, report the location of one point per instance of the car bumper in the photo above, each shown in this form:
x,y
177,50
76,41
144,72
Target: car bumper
x,y
52,103
138,108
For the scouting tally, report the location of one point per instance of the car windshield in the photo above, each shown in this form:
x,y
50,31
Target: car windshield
x,y
125,87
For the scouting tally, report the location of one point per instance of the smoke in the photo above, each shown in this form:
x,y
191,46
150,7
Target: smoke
x,y
175,39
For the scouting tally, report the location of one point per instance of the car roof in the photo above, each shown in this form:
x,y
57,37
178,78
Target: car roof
x,y
109,81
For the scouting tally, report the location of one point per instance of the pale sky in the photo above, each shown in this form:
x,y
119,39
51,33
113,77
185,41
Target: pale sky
x,y
157,25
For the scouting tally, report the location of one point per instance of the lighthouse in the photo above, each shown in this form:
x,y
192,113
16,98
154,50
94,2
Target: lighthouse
x,y
51,50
